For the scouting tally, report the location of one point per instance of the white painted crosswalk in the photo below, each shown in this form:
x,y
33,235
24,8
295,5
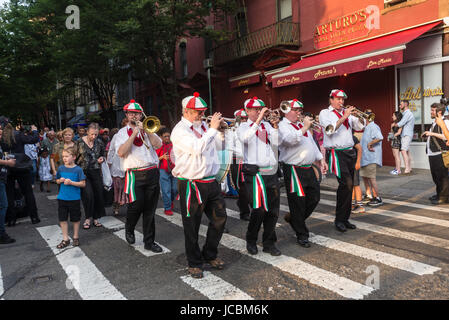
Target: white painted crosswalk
x,y
2,289
215,288
113,223
317,276
82,273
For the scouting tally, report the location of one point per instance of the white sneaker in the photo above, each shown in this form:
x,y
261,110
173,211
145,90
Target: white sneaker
x,y
394,172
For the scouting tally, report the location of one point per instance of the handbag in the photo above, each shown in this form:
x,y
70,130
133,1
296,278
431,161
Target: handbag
x,y
107,178
444,153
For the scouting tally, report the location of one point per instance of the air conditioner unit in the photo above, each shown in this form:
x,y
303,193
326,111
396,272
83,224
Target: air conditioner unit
x,y
208,63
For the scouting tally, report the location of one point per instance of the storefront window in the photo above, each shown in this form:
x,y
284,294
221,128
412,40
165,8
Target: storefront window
x,y
421,86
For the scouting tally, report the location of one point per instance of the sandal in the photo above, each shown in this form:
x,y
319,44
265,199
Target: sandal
x,y
196,273
86,225
97,224
63,244
76,242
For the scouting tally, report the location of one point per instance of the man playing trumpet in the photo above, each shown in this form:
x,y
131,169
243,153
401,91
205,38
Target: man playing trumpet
x,y
339,143
260,162
298,151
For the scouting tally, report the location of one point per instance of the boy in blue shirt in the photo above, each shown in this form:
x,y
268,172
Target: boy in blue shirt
x,y
71,178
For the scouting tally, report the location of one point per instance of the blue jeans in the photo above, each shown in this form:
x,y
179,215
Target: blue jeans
x,y
169,188
33,171
3,207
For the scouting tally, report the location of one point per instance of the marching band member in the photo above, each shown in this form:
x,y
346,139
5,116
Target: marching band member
x,y
139,160
298,151
258,138
236,166
339,143
195,147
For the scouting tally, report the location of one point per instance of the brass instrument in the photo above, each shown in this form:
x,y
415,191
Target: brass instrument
x,y
285,106
151,124
224,122
272,115
360,114
316,125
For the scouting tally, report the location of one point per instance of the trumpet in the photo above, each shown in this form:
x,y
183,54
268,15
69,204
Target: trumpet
x,y
224,122
316,125
360,114
151,124
272,115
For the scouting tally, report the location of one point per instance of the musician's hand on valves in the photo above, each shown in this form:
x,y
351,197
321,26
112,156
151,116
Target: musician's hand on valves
x,y
308,122
262,115
215,122
275,123
349,111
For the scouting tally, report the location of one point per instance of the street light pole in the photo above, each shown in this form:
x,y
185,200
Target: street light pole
x,y
210,91
59,105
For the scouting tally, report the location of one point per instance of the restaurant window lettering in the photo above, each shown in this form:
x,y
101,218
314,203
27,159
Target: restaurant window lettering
x,y
421,86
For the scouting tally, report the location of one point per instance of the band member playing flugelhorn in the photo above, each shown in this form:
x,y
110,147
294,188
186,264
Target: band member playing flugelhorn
x,y
340,152
260,165
298,151
196,164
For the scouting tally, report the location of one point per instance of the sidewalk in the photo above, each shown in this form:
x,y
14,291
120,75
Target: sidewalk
x,y
415,187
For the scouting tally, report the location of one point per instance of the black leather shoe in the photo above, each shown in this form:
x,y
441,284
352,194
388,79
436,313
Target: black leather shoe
x,y
153,247
349,225
340,226
303,243
35,220
439,201
273,251
434,197
252,248
130,238
244,217
6,239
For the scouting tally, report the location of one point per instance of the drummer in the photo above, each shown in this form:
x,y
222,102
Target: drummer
x,y
195,147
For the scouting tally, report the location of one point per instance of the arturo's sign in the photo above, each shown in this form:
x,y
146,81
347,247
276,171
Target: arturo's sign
x,y
245,81
346,28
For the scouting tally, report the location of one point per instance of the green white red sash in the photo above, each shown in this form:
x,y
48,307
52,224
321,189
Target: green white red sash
x,y
130,182
295,183
240,173
334,163
259,192
193,188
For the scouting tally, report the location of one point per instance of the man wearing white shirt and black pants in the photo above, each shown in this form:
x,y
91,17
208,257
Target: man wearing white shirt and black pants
x,y
340,152
260,166
298,151
196,164
436,142
139,160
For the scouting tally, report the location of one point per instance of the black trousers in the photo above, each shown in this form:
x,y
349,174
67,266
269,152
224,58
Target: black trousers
x,y
23,177
147,192
214,207
301,207
243,201
440,176
347,160
260,216
92,195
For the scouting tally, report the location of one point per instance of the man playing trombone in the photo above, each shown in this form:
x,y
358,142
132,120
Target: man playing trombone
x,y
139,160
298,151
339,143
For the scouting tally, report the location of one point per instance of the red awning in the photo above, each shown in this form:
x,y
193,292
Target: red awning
x,y
371,54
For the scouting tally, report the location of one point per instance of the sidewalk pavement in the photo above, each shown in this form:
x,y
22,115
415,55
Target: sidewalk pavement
x,y
415,187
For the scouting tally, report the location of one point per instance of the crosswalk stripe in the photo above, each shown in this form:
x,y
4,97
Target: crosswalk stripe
x,y
393,214
236,215
370,254
215,288
82,272
430,240
53,197
323,278
2,290
113,223
402,203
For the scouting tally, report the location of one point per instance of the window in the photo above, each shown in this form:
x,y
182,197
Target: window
x,y
421,86
183,58
284,10
242,23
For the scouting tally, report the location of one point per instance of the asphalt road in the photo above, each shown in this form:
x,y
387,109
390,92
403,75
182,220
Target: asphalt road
x,y
399,251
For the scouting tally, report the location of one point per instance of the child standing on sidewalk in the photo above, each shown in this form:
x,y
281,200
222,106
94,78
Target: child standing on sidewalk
x,y
44,169
71,178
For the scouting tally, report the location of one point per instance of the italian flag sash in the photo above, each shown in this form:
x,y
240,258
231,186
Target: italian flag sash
x,y
240,173
193,188
334,163
259,192
130,182
295,183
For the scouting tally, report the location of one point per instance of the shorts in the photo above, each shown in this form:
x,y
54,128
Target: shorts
x,y
69,207
356,178
369,171
405,142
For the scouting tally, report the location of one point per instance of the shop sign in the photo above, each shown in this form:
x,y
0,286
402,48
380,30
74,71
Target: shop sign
x,y
245,81
347,28
415,94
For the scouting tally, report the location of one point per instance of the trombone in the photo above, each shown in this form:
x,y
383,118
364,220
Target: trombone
x,y
151,124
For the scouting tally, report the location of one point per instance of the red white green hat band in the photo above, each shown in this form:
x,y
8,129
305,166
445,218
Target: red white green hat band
x,y
133,106
241,113
337,93
194,102
254,103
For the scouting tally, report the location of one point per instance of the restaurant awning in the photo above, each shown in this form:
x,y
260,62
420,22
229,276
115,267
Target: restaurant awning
x,y
380,52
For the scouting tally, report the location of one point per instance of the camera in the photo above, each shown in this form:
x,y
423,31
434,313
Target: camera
x,y
445,101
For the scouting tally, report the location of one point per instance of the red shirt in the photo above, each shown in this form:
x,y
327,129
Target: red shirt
x,y
167,165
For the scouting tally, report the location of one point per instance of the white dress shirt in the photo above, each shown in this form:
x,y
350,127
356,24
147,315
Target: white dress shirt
x,y
295,148
195,157
255,151
233,143
342,137
114,160
138,157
